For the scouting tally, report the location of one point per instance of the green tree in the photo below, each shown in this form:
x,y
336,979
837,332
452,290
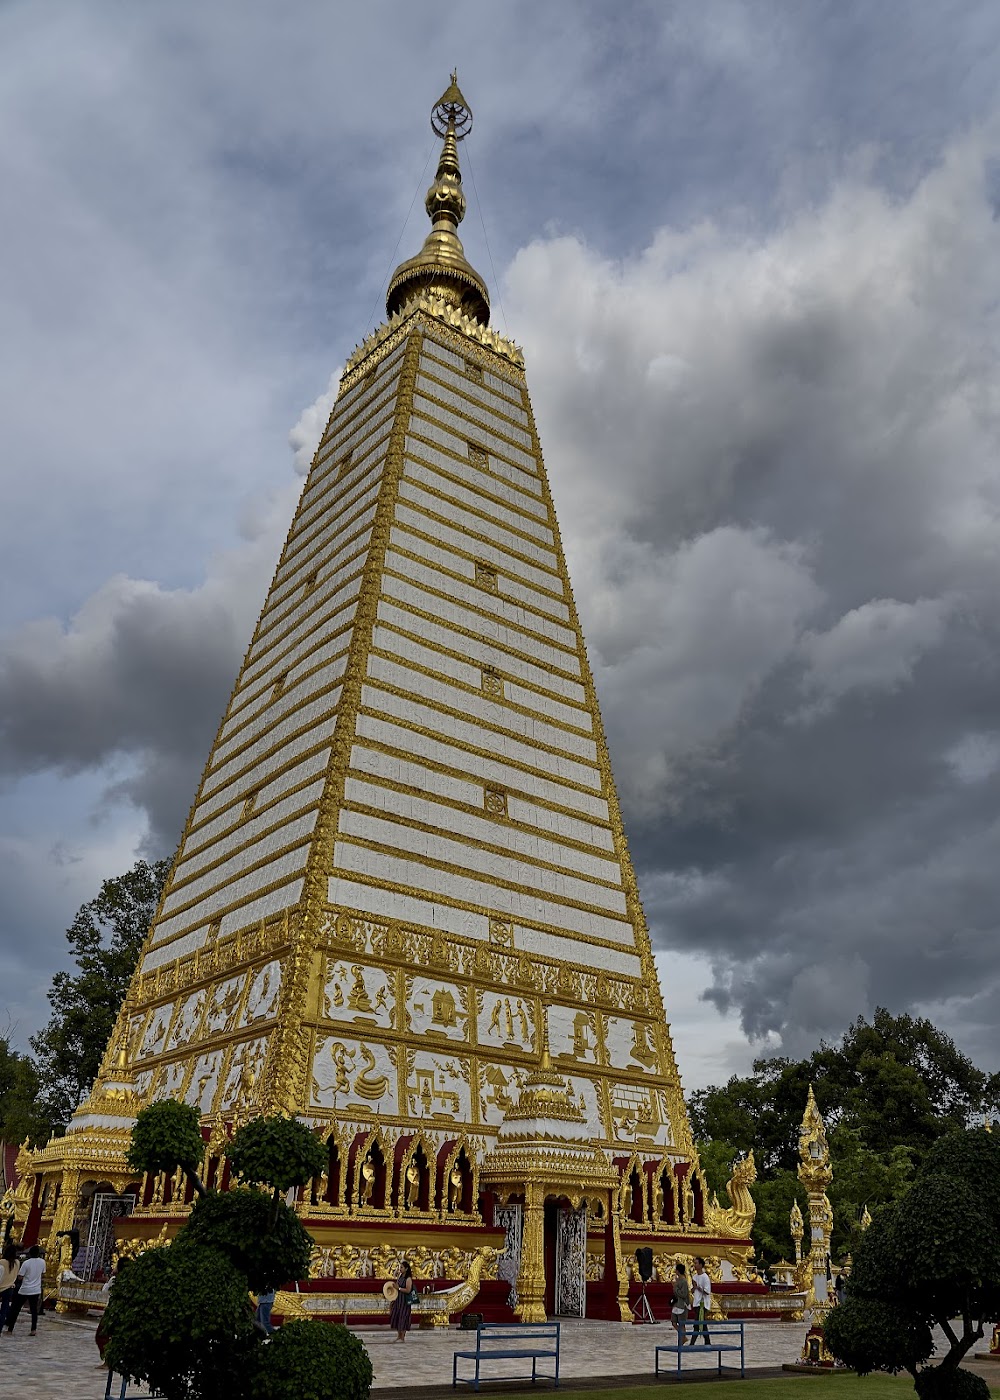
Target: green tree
x,y
312,1361
105,939
20,1116
277,1152
270,1248
179,1318
862,1178
930,1258
165,1136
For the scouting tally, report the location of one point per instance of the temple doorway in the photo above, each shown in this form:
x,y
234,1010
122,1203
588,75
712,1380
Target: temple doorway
x,y
565,1259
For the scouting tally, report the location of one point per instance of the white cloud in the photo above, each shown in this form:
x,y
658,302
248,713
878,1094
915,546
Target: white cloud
x,y
305,436
874,647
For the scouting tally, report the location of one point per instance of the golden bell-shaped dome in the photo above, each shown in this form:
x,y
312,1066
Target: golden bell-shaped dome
x,y
441,269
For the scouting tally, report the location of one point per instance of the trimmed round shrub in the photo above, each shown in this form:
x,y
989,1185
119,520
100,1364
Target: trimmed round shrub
x,y
180,1318
312,1361
276,1152
265,1240
165,1136
936,1383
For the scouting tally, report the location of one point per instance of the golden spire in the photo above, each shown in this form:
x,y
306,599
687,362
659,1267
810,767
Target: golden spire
x,y
440,268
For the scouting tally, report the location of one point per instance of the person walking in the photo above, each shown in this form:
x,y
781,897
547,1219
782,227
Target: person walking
x,y
399,1316
681,1303
29,1289
262,1317
702,1301
8,1277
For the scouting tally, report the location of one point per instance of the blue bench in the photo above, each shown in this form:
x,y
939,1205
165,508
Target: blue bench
x,y
506,1341
714,1329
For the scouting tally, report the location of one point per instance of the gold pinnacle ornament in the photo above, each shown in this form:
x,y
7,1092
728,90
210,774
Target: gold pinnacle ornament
x,y
404,869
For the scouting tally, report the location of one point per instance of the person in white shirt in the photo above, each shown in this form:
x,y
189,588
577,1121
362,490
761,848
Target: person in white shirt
x,y
702,1300
30,1289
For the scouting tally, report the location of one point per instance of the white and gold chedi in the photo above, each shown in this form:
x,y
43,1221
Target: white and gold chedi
x,y
405,856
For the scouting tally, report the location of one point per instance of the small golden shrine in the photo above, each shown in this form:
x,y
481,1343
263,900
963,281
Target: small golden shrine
x,y
405,860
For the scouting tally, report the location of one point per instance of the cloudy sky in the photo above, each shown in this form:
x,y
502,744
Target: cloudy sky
x,y
752,254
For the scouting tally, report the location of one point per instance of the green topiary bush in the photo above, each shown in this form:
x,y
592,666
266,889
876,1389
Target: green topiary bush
x,y
959,1384
268,1247
312,1361
180,1318
165,1136
276,1152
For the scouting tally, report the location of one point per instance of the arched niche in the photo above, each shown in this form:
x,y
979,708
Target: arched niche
x,y
328,1189
632,1191
415,1162
368,1174
457,1178
665,1194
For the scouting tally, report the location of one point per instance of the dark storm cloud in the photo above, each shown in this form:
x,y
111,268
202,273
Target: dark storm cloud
x,y
775,462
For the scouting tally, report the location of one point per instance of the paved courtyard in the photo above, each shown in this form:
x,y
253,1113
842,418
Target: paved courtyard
x,y
61,1362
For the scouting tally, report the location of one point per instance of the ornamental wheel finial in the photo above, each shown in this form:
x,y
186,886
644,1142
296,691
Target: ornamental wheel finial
x,y
452,111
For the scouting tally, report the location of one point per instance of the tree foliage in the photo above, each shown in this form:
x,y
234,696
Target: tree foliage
x,y
180,1318
312,1361
276,1152
20,1116
165,1136
105,939
887,1091
269,1247
930,1258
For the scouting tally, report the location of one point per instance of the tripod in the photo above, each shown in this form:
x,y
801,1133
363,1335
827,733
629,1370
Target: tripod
x,y
642,1312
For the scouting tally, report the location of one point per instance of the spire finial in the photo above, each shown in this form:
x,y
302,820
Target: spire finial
x,y
440,268
545,1061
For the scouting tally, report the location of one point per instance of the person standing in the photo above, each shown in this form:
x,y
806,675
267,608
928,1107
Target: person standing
x,y
399,1316
702,1301
681,1303
29,1289
8,1276
262,1317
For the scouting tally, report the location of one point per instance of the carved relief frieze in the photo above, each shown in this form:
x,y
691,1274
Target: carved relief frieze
x,y
354,1076
359,993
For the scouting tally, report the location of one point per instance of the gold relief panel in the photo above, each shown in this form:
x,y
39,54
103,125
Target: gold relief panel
x,y
188,1019
640,1114
499,1088
436,1009
355,992
507,1020
630,1044
204,1081
240,1084
262,998
223,1008
156,1032
143,1083
438,1087
354,1076
591,1101
168,1080
573,1034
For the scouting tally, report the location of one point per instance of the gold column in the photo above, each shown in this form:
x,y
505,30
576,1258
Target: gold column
x,y
621,1268
63,1218
531,1281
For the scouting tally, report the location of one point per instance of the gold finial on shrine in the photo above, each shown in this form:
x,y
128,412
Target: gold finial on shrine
x,y
440,269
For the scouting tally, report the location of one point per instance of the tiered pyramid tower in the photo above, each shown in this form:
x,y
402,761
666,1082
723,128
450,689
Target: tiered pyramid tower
x,y
405,861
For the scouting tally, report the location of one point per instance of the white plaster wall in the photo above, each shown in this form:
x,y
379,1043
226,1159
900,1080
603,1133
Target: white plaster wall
x,y
455,729
426,576
481,652
473,526
479,501
325,667
525,907
483,767
449,550
518,869
332,488
225,805
495,439
456,439
195,856
228,873
480,393
483,625
480,708
479,479
296,641
315,718
249,905
521,844
407,908
476,411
